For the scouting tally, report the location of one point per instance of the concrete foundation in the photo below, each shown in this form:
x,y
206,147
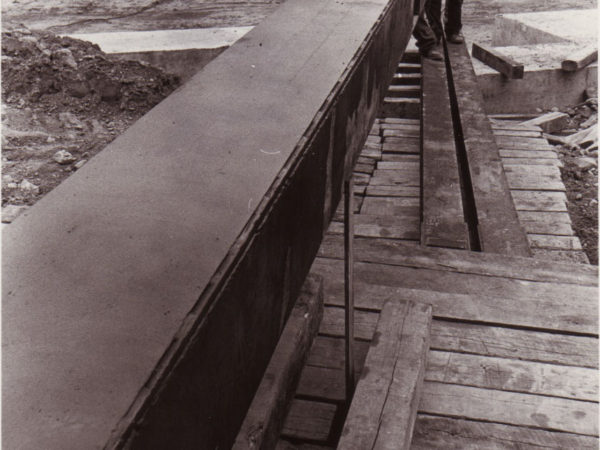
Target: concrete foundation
x,y
540,41
180,52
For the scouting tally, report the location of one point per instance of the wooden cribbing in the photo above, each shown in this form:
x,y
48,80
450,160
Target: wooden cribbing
x,y
579,59
266,414
497,61
384,407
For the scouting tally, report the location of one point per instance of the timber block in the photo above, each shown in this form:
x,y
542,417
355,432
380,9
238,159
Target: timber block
x,y
384,407
267,412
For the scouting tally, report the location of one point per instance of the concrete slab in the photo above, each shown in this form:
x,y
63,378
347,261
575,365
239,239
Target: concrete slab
x,y
574,25
164,40
142,297
540,41
180,52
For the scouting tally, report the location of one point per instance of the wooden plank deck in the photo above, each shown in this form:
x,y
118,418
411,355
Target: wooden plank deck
x,y
533,173
513,356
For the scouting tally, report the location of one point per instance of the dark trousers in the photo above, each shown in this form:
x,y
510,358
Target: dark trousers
x,y
452,16
423,34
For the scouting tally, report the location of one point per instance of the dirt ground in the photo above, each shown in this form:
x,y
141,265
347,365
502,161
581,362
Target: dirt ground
x,y
64,100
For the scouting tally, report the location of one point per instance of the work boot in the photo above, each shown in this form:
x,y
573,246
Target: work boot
x,y
432,54
455,38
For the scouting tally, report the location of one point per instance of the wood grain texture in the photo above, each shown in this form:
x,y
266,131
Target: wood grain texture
x,y
505,374
309,420
497,61
443,433
384,406
490,405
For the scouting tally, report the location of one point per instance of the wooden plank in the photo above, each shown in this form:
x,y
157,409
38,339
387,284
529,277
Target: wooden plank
x,y
309,420
506,142
284,444
532,161
390,206
549,122
497,223
443,216
400,120
395,178
532,181
407,78
406,165
579,59
384,406
266,414
401,133
518,133
566,350
489,405
394,253
513,375
540,201
554,242
444,433
382,226
391,156
497,61
333,323
364,168
512,153
328,352
540,216
393,191
509,302
323,384
412,126
556,228
573,256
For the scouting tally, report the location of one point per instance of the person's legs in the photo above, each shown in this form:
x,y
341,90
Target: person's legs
x,y
433,10
453,17
425,38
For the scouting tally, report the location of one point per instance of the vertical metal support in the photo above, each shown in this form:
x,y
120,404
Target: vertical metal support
x,y
348,284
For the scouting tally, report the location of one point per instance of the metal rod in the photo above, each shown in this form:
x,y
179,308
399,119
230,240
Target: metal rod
x,y
348,284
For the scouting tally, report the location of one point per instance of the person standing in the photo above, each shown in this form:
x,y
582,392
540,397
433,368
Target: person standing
x,y
453,21
425,36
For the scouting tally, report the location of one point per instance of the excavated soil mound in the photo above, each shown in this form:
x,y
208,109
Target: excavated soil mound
x,y
63,100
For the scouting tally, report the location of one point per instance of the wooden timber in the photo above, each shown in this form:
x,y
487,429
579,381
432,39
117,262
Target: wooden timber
x,y
579,59
497,61
443,216
384,406
498,226
263,422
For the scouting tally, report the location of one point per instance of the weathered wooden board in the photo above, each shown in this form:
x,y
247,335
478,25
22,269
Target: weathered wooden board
x,y
328,352
309,420
443,216
411,126
517,133
533,178
404,91
549,217
574,256
333,323
382,226
395,178
498,61
401,132
444,433
400,120
566,350
284,444
407,78
498,226
399,165
532,161
506,142
554,242
393,191
490,405
384,406
540,201
504,374
549,122
548,153
264,420
391,206
553,228
388,156
579,59
393,253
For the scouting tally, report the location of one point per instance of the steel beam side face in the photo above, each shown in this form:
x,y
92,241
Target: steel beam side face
x,y
143,297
